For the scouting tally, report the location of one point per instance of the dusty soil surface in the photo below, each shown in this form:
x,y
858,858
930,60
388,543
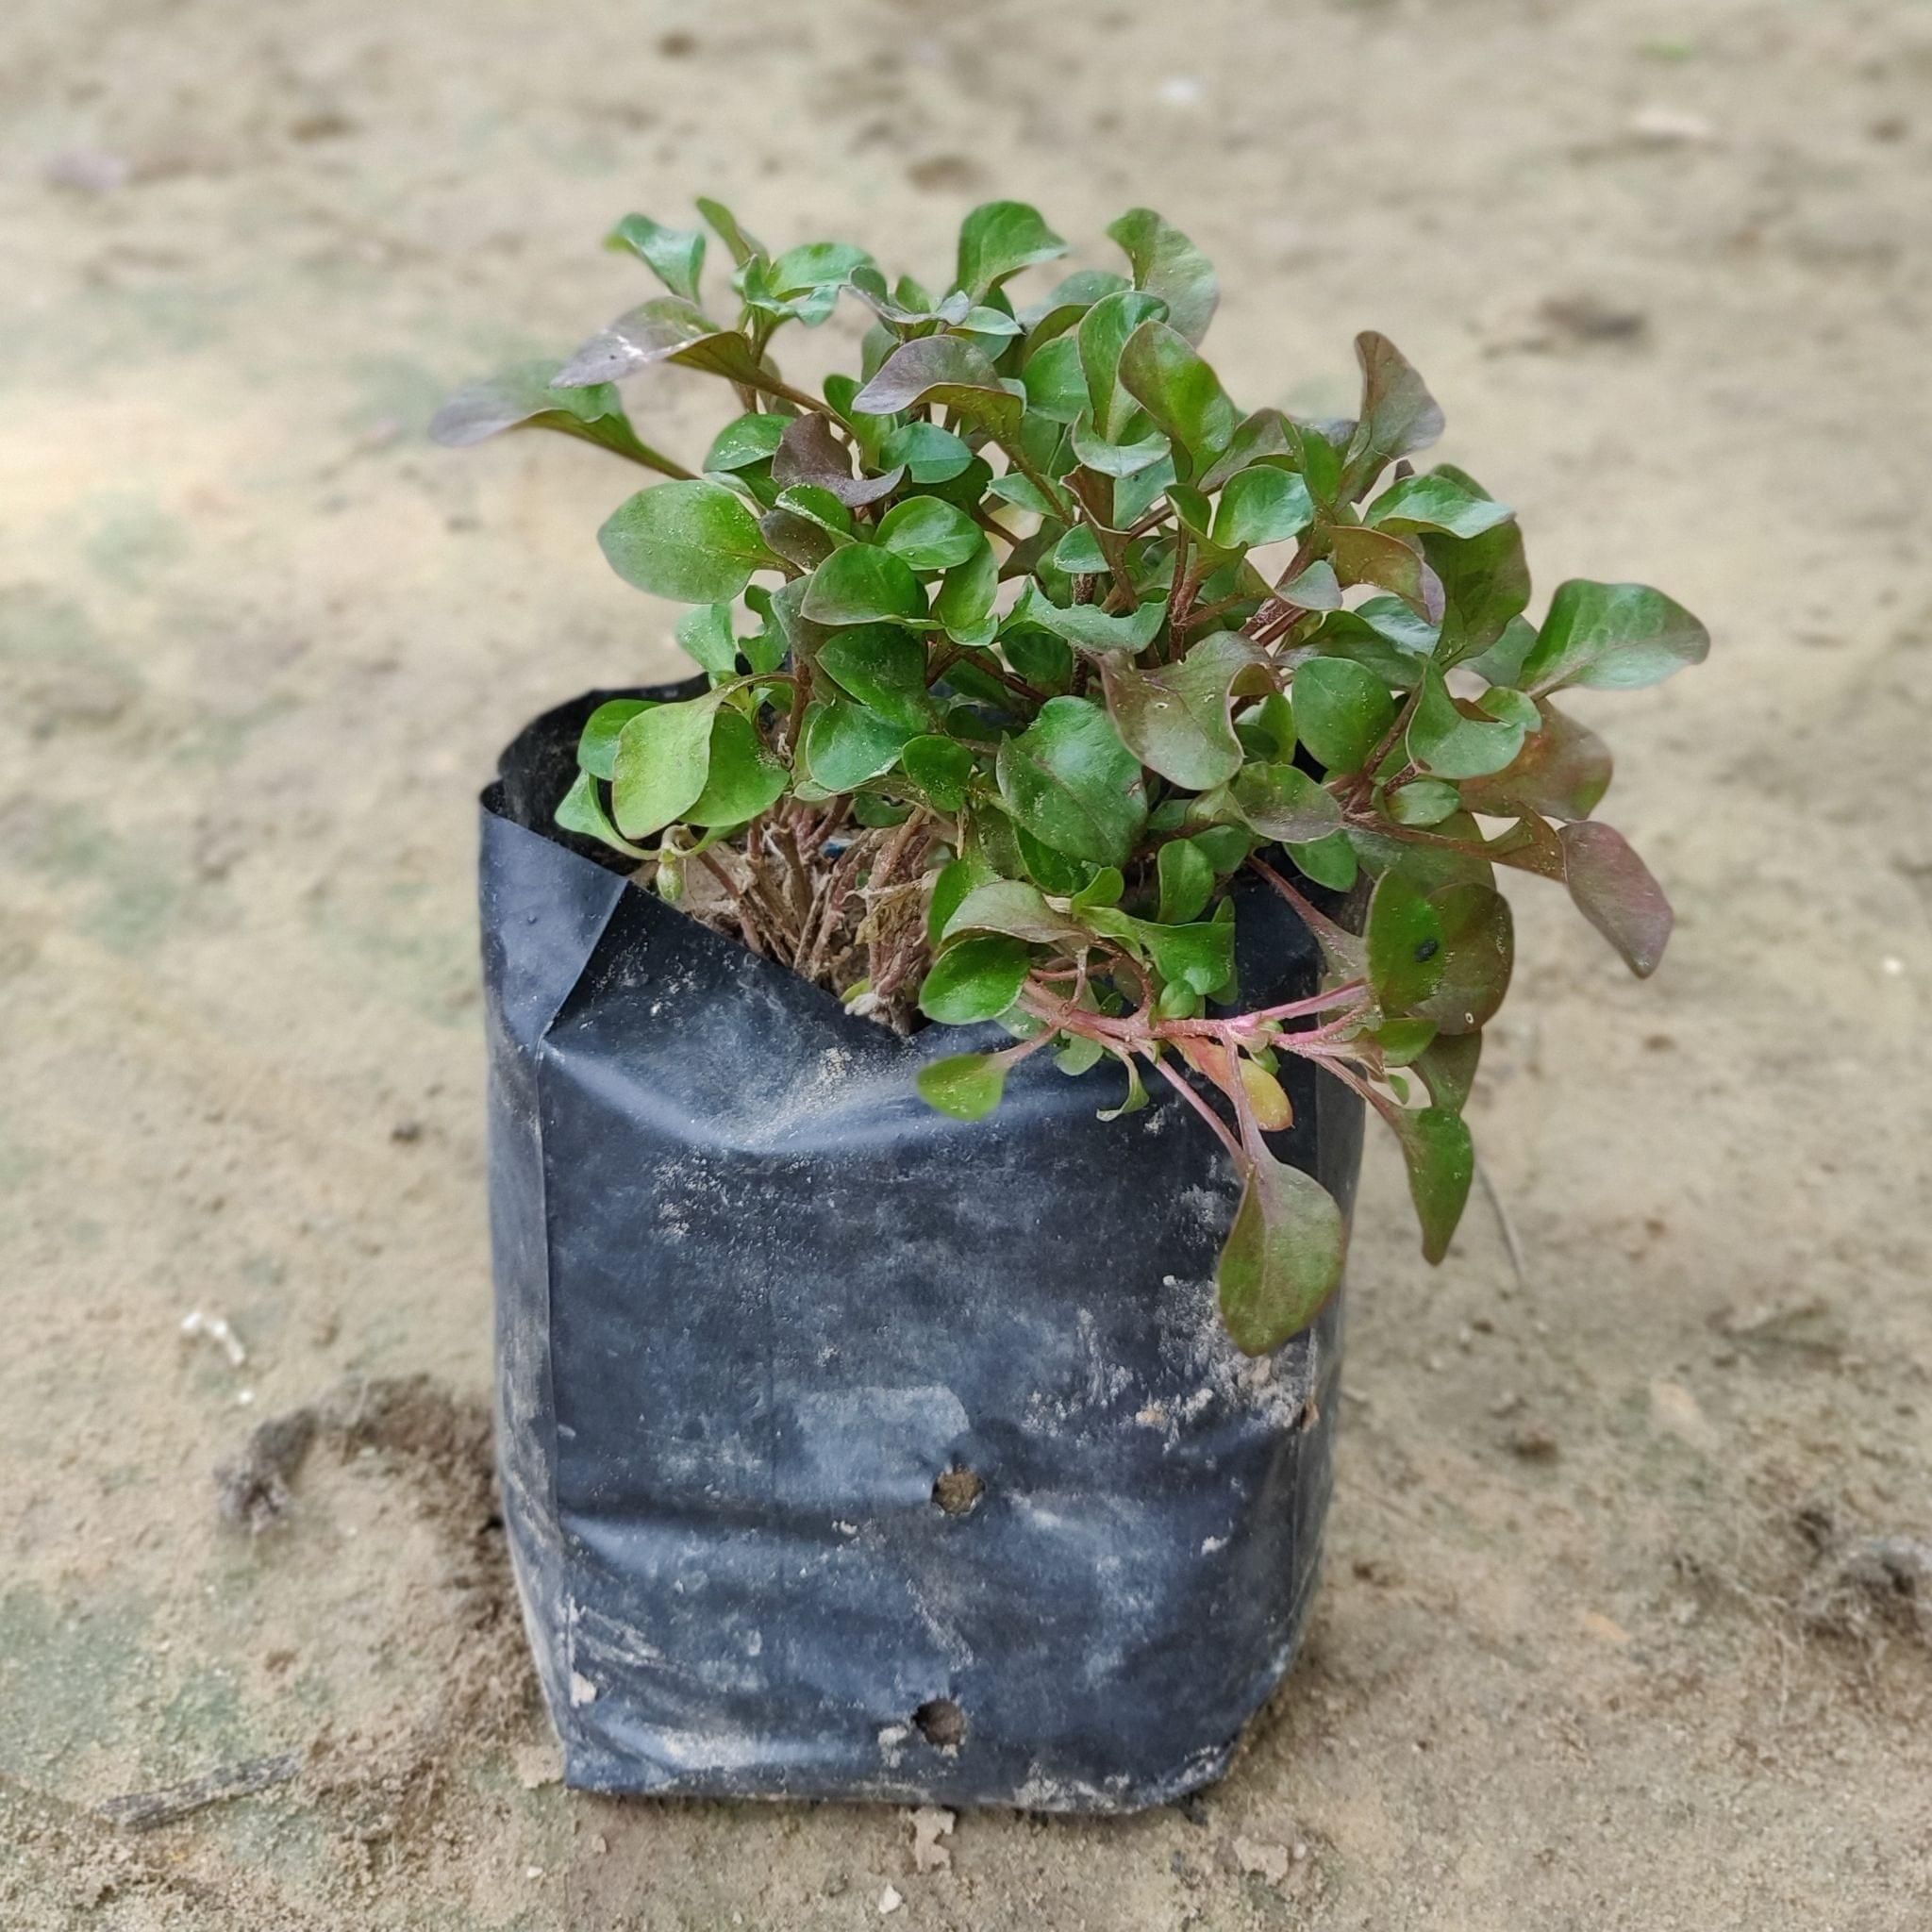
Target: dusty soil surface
x,y
1607,1638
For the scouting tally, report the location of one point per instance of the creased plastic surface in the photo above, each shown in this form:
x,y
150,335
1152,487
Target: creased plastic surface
x,y
754,1298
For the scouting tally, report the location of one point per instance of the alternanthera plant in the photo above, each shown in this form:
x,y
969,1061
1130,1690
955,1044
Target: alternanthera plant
x,y
1025,641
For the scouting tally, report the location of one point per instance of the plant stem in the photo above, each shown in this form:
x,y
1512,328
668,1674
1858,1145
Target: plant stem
x,y
1179,1082
1333,938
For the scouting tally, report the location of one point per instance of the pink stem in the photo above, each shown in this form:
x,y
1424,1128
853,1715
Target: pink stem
x,y
1206,1112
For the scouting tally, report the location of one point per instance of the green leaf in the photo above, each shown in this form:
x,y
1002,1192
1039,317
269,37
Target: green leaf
x,y
705,633
1160,370
1422,802
1282,1260
581,810
1070,782
1168,265
963,606
1398,414
1175,718
1135,1098
846,745
1023,493
1185,879
1340,712
1081,1052
1446,741
968,1086
1316,589
950,887
926,452
1402,1042
1019,910
1262,506
1283,802
1198,956
1268,730
819,506
1479,953
664,758
1437,1150
1329,861
674,256
696,541
1266,433
948,371
1403,939
1510,708
597,746
1103,334
883,667
1052,872
1224,847
1484,587
1056,387
1503,661
1362,556
725,224
743,777
1045,661
1612,636
1118,459
928,534
862,584
978,979
1078,553
1438,501
1448,1066
1319,458
940,767
815,265
999,239
744,442
1089,628
1613,888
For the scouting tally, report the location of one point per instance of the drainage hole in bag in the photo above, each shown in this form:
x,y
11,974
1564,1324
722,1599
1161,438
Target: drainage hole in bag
x,y
940,1722
957,1491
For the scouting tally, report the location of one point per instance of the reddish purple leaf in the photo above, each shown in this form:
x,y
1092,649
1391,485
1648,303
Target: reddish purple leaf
x,y
810,453
1614,891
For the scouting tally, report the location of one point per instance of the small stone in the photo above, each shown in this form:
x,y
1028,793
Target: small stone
x,y
930,1823
87,171
1269,1861
1673,1409
1534,1443
890,1900
1661,126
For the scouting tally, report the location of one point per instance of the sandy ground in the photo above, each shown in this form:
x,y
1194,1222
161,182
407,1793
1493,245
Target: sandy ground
x,y
1600,1645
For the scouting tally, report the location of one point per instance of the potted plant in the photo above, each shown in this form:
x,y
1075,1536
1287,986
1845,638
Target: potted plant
x,y
929,1046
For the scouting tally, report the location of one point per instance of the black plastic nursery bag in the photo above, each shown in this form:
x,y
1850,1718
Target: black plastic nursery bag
x,y
849,1450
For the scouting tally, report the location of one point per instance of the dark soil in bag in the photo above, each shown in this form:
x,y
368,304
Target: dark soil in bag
x,y
849,1450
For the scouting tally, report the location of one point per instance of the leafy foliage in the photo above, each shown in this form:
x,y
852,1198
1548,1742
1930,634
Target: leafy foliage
x,y
1025,643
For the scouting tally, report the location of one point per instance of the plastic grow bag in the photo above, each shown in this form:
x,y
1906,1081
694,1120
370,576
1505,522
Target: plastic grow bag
x,y
849,1450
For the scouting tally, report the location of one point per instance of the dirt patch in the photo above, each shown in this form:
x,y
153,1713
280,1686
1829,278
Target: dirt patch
x,y
383,1784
